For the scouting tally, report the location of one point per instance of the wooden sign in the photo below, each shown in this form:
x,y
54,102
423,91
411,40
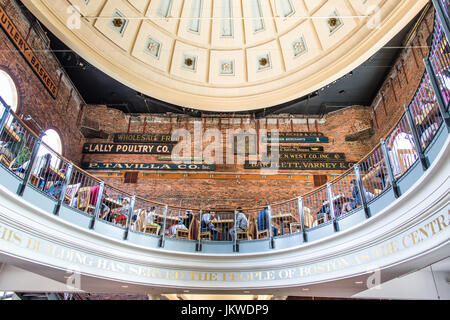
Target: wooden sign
x,y
146,166
143,138
23,47
244,144
295,134
173,158
295,149
116,148
286,139
311,156
301,165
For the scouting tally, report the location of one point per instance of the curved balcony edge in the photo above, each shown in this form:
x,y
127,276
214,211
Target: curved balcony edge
x,y
412,227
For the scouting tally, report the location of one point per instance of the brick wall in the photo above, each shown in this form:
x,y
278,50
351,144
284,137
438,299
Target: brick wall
x,y
231,191
59,114
402,81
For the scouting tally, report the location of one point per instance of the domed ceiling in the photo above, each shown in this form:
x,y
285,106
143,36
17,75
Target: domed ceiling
x,y
225,55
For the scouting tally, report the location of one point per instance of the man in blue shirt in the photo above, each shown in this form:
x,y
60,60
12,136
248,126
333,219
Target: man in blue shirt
x,y
262,221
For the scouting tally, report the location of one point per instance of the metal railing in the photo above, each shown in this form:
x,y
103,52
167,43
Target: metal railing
x,y
39,167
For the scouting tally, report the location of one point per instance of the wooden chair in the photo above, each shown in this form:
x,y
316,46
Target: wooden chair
x,y
137,225
84,197
71,191
195,229
308,218
295,227
262,234
152,229
205,235
7,161
182,234
246,235
192,228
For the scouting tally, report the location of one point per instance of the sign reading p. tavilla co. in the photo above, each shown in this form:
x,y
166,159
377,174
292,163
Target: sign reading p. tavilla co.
x,y
148,148
147,166
23,47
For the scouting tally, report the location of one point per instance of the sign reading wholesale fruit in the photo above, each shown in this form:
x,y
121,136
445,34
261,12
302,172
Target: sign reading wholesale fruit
x,y
143,138
119,148
23,47
300,165
147,166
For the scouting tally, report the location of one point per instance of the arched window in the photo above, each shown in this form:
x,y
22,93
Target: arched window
x,y
8,90
51,140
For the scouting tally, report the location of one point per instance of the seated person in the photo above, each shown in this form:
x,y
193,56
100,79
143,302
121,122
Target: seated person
x,y
207,225
262,222
23,168
240,225
105,211
428,134
44,172
356,202
324,209
121,213
188,219
14,146
150,219
172,232
55,190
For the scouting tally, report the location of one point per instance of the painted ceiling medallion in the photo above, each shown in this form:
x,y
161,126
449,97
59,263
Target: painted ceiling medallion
x,y
264,62
227,67
299,46
334,22
189,62
118,22
153,47
226,55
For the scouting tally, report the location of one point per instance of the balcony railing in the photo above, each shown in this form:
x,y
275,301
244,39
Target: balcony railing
x,y
37,166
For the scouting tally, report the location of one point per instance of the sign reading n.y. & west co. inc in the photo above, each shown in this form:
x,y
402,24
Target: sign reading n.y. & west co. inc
x,y
119,148
312,156
300,165
147,166
143,138
20,43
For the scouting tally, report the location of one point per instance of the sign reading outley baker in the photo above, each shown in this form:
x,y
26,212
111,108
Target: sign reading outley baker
x,y
23,47
119,148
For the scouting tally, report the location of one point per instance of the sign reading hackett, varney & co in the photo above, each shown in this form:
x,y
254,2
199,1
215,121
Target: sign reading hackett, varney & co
x,y
147,166
119,148
301,165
